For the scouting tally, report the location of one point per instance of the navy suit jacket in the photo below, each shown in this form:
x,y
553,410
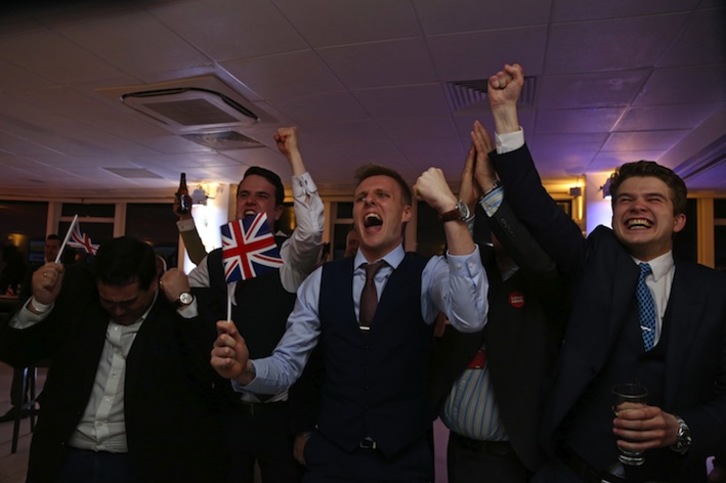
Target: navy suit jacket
x,y
605,277
522,341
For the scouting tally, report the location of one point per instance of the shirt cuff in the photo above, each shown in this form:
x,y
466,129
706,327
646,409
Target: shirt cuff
x,y
510,141
303,185
189,311
186,225
492,201
25,318
464,265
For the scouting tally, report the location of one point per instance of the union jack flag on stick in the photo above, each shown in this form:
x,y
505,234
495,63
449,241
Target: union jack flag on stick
x,y
81,240
248,248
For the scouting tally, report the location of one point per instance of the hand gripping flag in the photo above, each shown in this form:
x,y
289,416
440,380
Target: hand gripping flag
x,y
81,240
248,248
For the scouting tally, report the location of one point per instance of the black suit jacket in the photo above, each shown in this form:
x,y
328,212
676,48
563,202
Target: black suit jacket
x,y
169,405
522,342
695,365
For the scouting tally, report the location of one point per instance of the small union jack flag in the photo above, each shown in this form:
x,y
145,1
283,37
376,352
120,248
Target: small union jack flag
x,y
81,240
248,248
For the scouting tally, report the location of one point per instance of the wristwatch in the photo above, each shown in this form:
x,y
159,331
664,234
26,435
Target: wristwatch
x,y
185,298
683,437
461,212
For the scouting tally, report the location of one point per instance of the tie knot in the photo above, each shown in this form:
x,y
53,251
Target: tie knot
x,y
645,270
372,268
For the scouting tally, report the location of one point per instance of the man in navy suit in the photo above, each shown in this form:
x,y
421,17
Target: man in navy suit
x,y
684,371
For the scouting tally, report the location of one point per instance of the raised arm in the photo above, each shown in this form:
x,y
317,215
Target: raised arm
x,y
302,251
553,229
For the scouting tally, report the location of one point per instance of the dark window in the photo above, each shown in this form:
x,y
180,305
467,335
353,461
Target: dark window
x,y
345,210
719,241
22,223
155,224
95,210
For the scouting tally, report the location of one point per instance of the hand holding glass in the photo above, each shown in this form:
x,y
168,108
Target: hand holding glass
x,y
637,396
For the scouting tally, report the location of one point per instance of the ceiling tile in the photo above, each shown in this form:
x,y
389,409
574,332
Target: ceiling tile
x,y
643,140
595,120
569,10
454,59
600,89
325,23
379,64
270,76
447,16
684,85
618,44
236,29
136,43
701,41
420,100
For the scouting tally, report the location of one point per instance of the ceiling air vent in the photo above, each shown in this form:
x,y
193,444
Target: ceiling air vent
x,y
190,108
191,105
223,140
463,94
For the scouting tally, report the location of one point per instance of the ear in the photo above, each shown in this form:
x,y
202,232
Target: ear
x,y
407,213
679,222
279,209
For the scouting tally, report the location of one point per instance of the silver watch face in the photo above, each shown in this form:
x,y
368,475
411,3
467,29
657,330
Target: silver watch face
x,y
463,210
185,298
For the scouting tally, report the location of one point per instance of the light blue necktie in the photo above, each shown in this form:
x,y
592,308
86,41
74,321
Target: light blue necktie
x,y
646,307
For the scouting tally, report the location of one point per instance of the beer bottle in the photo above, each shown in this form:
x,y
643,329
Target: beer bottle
x,y
185,201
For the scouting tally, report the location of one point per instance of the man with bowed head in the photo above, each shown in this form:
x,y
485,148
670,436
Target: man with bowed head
x,y
678,351
129,394
375,332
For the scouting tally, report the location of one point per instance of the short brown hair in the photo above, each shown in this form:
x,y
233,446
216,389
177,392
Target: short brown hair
x,y
651,169
369,170
270,176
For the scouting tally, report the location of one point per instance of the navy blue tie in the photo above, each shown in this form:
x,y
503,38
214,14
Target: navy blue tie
x,y
646,307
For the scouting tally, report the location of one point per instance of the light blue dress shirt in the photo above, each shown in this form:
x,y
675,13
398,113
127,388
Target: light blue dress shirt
x,y
455,285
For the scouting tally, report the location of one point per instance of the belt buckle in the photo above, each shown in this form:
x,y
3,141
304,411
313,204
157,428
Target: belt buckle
x,y
367,443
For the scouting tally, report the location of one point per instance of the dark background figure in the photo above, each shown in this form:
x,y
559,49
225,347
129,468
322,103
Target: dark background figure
x,y
19,389
11,277
129,393
500,374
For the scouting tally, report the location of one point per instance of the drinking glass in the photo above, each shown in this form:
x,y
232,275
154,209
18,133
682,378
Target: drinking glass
x,y
635,393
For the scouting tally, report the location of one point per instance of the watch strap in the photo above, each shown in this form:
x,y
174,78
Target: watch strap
x,y
451,215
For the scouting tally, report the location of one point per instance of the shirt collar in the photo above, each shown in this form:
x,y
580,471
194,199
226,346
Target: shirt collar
x,y
660,265
392,258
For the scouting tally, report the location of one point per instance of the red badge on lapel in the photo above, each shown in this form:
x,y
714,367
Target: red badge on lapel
x,y
516,300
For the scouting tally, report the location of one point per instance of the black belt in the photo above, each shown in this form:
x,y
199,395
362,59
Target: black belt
x,y
252,408
493,447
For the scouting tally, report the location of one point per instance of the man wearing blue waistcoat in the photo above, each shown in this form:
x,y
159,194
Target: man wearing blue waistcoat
x,y
373,422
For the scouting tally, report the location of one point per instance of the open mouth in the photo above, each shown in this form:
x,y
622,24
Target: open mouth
x,y
250,213
638,224
372,219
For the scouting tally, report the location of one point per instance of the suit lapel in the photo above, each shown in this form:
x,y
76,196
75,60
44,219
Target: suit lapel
x,y
682,319
137,360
